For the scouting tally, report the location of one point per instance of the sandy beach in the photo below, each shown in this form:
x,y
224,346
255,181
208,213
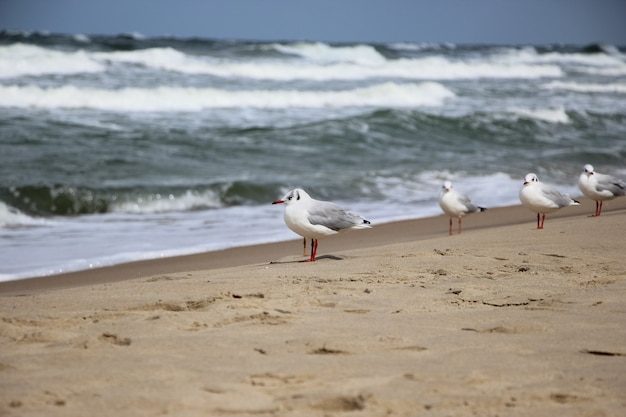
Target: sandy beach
x,y
399,320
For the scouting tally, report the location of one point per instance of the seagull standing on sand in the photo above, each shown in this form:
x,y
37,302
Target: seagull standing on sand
x,y
600,187
542,198
315,219
455,204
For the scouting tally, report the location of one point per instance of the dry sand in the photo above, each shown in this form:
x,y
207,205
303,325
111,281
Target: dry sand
x,y
399,320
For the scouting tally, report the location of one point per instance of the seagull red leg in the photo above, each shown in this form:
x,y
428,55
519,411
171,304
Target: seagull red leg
x,y
314,250
314,244
450,233
459,225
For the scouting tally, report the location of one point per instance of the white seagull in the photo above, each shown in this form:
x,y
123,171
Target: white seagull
x,y
315,219
600,187
455,204
542,198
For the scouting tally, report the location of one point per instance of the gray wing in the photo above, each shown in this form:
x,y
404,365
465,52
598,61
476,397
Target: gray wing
x,y
608,183
470,207
332,216
561,200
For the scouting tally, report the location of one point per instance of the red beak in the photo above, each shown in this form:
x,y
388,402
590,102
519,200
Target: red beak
x,y
278,202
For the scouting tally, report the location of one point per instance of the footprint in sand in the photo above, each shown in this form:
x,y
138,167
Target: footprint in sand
x,y
115,339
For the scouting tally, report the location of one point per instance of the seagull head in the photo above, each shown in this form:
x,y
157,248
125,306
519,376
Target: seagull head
x,y
588,169
447,186
293,196
530,178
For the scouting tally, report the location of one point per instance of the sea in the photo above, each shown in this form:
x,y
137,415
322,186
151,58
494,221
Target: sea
x,y
122,148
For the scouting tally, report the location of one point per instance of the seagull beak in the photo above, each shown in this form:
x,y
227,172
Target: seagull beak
x,y
525,182
278,202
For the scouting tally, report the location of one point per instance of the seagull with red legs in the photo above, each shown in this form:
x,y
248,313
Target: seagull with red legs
x,y
542,198
314,219
600,187
455,204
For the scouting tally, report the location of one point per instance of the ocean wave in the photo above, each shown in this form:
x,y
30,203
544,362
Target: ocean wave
x,y
587,87
558,115
324,63
325,53
420,46
161,58
18,60
196,99
530,55
616,71
10,217
63,200
318,61
66,200
321,62
158,203
79,37
427,68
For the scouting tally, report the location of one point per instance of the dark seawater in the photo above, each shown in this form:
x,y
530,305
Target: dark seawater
x,y
118,148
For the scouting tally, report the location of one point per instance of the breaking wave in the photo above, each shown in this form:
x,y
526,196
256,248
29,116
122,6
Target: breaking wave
x,y
195,99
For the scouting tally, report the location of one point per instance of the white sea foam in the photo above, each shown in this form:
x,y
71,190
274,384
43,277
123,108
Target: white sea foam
x,y
429,68
557,115
19,59
324,53
79,37
195,99
161,58
587,87
529,55
441,68
12,217
616,71
158,203
409,46
321,63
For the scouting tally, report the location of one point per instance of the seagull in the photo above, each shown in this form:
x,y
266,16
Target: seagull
x,y
542,198
455,204
315,219
600,187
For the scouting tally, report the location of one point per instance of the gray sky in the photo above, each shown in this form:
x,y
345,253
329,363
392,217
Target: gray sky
x,y
456,21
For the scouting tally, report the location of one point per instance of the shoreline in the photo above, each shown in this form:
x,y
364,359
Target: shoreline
x,y
380,235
